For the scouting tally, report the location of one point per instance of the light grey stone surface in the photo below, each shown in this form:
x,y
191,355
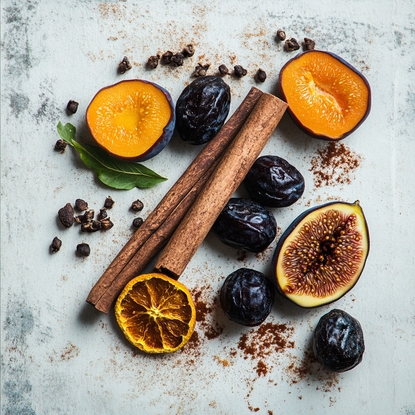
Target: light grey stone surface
x,y
61,356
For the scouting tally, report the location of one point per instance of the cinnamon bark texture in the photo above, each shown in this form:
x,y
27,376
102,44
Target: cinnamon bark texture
x,y
179,191
151,247
228,175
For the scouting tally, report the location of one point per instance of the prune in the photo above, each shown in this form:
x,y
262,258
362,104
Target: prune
x,y
338,341
274,182
202,109
245,224
247,296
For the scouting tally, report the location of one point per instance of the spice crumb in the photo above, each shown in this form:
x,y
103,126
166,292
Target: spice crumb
x,y
56,245
66,215
239,71
309,44
81,204
109,203
137,222
291,44
281,35
60,146
83,249
153,61
124,65
72,106
223,70
261,75
201,70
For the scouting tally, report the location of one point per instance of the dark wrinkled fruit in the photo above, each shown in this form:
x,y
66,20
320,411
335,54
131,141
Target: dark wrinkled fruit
x,y
245,224
321,255
247,297
338,342
202,109
274,182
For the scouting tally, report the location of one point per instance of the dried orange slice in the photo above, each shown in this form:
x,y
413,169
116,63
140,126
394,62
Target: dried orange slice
x,y
156,313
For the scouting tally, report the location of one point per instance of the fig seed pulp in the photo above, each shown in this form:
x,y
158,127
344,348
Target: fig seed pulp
x,y
322,254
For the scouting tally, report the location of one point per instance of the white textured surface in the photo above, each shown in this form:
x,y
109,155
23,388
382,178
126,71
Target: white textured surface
x,y
58,354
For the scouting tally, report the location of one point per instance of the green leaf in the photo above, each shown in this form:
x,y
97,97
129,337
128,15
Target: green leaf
x,y
111,171
67,132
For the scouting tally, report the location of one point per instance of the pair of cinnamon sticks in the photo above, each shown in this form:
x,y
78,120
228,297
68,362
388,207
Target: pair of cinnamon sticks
x,y
186,213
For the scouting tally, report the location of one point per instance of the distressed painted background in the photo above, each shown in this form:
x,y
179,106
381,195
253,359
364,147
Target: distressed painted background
x,y
61,356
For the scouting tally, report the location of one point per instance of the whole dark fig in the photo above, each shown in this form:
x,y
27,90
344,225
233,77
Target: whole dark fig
x,y
338,341
202,108
274,182
247,296
245,224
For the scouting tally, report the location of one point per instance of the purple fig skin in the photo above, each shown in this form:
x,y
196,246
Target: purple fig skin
x,y
287,233
307,130
161,142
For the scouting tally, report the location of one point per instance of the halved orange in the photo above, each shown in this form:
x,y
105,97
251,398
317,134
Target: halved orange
x,y
156,313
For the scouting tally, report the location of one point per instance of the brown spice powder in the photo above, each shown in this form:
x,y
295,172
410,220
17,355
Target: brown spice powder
x,y
266,339
334,165
204,311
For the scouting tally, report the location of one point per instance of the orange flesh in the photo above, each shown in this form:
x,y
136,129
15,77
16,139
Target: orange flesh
x,y
129,117
156,315
325,95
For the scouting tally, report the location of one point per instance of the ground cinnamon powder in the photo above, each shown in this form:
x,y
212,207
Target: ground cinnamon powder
x,y
266,339
334,165
204,310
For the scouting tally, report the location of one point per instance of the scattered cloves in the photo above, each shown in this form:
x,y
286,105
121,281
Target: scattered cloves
x,y
166,58
188,51
109,203
309,44
153,61
261,75
291,44
88,216
81,204
239,71
60,146
56,245
281,34
102,214
72,106
223,70
177,59
106,224
66,215
201,70
124,65
137,222
137,205
83,249
92,226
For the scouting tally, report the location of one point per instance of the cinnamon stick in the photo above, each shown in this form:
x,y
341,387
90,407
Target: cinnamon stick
x,y
197,169
231,170
151,247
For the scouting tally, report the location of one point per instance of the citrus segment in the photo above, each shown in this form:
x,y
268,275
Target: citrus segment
x,y
156,313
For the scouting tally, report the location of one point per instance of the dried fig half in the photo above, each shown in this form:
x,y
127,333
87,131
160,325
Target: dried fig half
x,y
321,255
